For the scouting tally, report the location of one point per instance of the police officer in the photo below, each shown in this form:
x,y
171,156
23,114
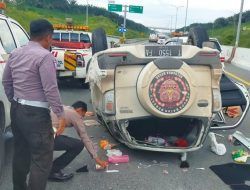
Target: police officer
x,y
30,84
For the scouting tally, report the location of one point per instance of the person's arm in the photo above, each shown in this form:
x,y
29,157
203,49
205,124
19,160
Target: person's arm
x,y
47,72
78,124
7,80
81,130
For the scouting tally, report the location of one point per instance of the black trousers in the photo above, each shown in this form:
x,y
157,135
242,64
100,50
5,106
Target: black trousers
x,y
33,146
72,148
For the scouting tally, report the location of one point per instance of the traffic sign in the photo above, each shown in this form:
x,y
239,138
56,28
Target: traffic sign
x,y
135,9
115,7
122,29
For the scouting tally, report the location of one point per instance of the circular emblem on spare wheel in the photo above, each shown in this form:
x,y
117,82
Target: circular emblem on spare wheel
x,y
169,92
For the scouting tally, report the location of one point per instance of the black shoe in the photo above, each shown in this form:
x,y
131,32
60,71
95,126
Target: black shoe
x,y
60,176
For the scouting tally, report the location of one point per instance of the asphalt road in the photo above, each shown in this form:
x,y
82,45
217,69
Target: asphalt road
x,y
145,171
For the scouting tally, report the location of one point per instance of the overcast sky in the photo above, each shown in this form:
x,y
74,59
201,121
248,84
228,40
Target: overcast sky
x,y
162,12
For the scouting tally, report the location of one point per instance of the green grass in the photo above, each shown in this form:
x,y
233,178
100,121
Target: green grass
x,y
25,14
227,35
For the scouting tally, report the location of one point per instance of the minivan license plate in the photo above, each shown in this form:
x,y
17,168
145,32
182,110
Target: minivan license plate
x,y
162,51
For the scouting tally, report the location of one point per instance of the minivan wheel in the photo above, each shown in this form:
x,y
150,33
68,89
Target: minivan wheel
x,y
196,36
163,92
2,144
99,40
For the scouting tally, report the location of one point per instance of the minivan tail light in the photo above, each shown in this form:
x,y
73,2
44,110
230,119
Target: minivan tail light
x,y
109,103
222,59
217,102
117,54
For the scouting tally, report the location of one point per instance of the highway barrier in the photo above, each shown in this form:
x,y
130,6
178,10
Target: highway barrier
x,y
241,57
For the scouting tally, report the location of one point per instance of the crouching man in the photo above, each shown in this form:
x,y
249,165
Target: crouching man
x,y
72,146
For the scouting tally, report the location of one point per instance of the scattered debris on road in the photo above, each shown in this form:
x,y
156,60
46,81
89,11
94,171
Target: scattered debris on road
x,y
217,148
91,122
240,156
185,170
112,171
83,169
165,172
118,159
114,152
154,161
200,168
106,145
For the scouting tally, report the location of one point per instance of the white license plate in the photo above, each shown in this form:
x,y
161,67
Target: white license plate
x,y
162,51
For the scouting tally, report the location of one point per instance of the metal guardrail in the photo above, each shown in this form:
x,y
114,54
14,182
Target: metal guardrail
x,y
118,40
136,40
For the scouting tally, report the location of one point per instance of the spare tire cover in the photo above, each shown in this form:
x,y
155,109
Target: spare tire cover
x,y
168,92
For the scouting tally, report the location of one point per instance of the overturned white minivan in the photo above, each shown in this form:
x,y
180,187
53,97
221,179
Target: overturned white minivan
x,y
162,98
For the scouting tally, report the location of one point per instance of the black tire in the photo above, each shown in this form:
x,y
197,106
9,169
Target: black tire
x,y
197,35
2,142
99,40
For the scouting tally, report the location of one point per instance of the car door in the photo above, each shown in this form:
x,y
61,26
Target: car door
x,y
235,102
8,44
234,99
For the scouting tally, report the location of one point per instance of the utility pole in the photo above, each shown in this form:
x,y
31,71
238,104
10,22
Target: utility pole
x,y
239,24
124,22
171,24
186,17
177,8
87,13
237,35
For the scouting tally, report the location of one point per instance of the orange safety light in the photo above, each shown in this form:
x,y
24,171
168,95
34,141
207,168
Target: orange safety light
x,y
2,5
70,27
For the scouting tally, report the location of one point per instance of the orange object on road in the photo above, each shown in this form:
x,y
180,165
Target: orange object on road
x,y
104,144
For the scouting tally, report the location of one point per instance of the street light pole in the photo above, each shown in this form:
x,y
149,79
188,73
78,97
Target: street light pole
x,y
237,35
87,13
239,24
124,22
177,8
171,24
186,17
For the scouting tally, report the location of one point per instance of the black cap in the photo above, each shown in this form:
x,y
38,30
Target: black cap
x,y
40,28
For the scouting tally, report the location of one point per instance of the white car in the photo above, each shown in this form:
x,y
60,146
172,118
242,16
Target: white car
x,y
161,39
177,40
153,38
12,35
